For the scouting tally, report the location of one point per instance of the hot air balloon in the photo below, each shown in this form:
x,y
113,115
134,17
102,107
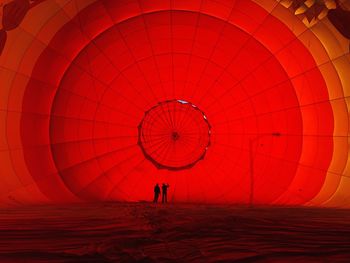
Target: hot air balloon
x,y
100,100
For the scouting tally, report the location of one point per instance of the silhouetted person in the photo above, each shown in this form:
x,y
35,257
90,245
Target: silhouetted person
x,y
156,193
165,193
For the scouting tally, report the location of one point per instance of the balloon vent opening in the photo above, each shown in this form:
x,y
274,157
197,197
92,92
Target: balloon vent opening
x,y
174,135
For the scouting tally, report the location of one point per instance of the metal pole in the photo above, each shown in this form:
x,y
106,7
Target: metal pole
x,y
251,163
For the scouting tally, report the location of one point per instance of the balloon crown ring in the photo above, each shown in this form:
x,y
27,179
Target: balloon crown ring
x,y
174,135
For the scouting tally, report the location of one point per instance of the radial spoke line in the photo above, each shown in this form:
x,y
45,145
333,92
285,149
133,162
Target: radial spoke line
x,y
192,140
148,134
161,149
193,134
172,49
155,118
179,118
68,59
199,14
116,186
158,145
99,102
163,114
150,124
94,84
120,73
111,123
159,135
170,118
192,144
92,140
54,87
196,120
47,115
153,141
190,61
191,153
46,145
251,36
280,187
105,172
115,27
167,151
278,84
271,56
218,166
267,178
283,159
186,122
114,109
125,176
184,116
106,154
234,186
174,151
187,118
167,115
219,36
150,145
175,110
187,142
151,131
285,135
152,49
282,110
189,121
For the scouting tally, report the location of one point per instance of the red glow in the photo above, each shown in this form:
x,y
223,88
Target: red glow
x,y
117,59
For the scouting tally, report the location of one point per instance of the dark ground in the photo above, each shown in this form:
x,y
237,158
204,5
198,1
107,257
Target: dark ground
x,y
143,232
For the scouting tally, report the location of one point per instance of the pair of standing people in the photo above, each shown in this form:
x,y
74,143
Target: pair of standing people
x,y
164,193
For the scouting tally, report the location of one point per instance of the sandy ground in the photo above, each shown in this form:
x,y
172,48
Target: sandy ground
x,y
143,232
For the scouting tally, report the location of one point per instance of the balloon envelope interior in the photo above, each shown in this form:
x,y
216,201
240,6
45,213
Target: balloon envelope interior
x,y
223,100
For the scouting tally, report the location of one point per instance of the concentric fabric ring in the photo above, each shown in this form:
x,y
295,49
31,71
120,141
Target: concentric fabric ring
x,y
240,62
98,152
